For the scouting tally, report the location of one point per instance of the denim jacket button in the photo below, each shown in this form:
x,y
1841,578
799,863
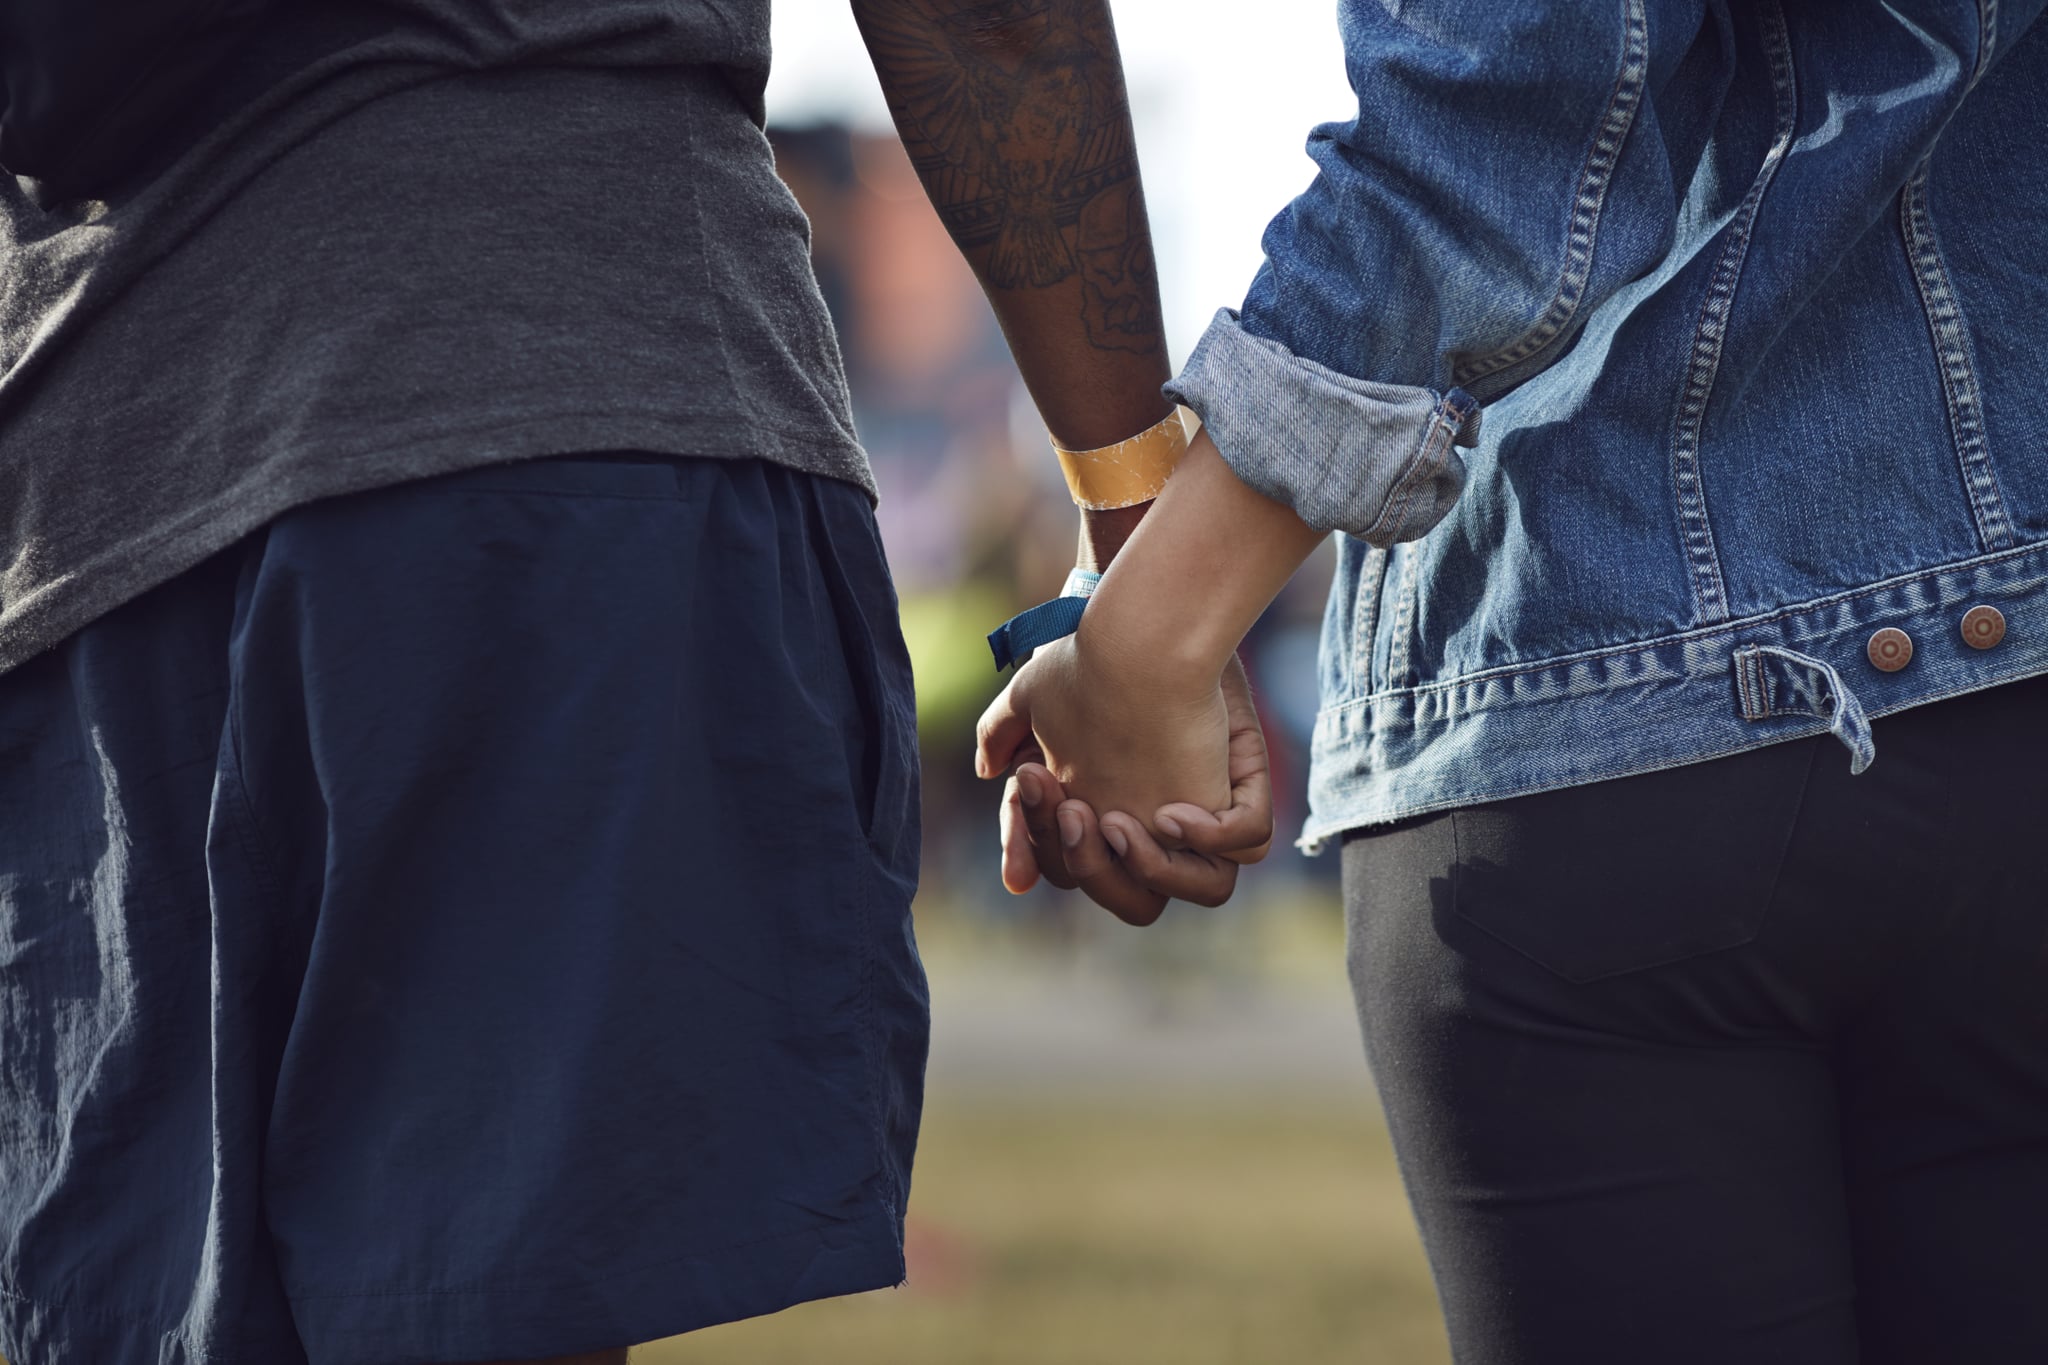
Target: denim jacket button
x,y
1891,649
1983,627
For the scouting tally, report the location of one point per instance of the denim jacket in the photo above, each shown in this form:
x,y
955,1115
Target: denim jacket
x,y
1752,298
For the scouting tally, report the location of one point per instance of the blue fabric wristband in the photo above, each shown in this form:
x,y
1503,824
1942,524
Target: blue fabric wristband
x,y
1044,623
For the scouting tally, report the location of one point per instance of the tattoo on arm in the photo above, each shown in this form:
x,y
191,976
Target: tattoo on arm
x,y
1015,115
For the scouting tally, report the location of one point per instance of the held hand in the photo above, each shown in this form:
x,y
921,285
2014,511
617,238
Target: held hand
x,y
1117,860
1198,570
1116,732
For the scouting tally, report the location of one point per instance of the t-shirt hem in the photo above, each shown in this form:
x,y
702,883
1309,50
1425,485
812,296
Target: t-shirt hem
x,y
126,569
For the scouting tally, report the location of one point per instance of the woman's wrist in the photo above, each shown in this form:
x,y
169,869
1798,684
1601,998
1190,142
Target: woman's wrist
x,y
1196,574
1126,643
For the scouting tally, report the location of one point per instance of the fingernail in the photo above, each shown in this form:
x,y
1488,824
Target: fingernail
x,y
1168,826
1116,840
1070,829
1027,787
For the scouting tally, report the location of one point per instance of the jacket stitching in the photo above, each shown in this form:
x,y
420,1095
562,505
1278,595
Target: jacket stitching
x,y
1436,444
1582,232
1961,392
1710,594
1749,683
1824,702
1366,615
1703,633
1399,649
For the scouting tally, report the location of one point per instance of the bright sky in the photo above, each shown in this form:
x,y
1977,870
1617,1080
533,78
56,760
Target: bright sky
x,y
1223,95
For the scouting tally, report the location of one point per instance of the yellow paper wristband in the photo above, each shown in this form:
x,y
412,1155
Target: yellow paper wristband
x,y
1127,473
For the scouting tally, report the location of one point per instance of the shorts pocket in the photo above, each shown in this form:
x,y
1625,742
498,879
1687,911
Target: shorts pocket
x,y
855,577
1607,878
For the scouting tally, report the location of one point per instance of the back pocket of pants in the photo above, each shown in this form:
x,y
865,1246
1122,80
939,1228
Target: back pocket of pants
x,y
1620,876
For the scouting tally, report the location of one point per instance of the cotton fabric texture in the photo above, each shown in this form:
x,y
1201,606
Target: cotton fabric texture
x,y
1750,298
1740,1061
464,921
403,239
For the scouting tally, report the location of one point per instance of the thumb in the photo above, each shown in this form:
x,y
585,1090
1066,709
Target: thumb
x,y
1004,728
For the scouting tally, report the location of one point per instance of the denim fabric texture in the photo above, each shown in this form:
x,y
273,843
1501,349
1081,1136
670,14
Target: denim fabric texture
x,y
1751,299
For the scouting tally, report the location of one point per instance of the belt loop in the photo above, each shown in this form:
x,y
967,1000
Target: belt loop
x,y
1770,681
1752,692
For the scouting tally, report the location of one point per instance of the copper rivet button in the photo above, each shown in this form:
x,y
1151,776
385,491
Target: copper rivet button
x,y
1891,649
1983,627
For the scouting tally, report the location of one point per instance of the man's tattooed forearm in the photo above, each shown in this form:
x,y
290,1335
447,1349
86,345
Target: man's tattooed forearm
x,y
1015,116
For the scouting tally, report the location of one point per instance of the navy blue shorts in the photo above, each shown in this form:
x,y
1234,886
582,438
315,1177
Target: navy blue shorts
x,y
465,920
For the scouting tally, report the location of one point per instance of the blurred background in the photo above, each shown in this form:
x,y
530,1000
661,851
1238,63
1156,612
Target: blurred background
x,y
1140,1146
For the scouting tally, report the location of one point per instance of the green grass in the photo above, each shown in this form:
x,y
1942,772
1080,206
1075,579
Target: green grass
x,y
1195,1233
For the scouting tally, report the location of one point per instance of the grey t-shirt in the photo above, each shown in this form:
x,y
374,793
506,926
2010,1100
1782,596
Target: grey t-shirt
x,y
472,231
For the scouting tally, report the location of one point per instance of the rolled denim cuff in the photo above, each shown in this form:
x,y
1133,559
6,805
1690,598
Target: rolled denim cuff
x,y
1377,461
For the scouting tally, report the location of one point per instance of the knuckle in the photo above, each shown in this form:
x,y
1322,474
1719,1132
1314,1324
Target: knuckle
x,y
1145,860
1087,862
1179,882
